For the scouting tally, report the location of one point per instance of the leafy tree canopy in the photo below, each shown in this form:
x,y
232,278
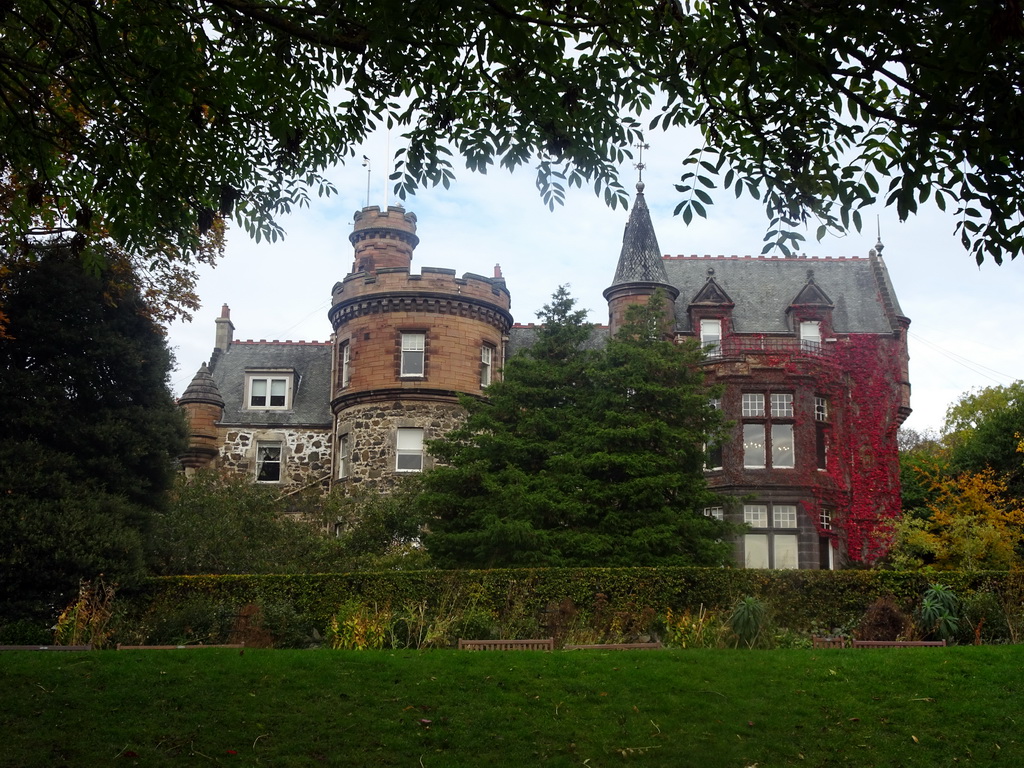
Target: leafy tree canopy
x,y
156,117
89,429
580,456
991,428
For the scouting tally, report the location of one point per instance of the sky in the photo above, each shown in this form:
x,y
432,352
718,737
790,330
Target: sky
x,y
963,317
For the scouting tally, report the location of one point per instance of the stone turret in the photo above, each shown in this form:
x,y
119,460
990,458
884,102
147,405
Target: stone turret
x,y
406,347
204,408
383,239
640,271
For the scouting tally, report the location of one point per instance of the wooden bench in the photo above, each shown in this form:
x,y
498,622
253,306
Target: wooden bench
x,y
545,644
616,647
46,647
828,642
899,644
173,647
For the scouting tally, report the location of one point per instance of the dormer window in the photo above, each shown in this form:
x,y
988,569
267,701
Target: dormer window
x,y
268,391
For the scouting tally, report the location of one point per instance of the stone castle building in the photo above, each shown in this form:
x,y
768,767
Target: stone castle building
x,y
810,355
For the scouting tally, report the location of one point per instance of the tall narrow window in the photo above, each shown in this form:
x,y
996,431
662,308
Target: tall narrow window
x,y
810,335
753,446
820,409
413,352
785,554
346,364
268,462
783,455
821,445
486,357
409,450
711,336
344,457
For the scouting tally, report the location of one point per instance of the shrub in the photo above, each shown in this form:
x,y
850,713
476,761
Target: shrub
x,y
749,622
884,620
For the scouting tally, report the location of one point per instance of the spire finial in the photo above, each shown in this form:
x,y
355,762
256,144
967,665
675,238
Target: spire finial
x,y
639,165
878,245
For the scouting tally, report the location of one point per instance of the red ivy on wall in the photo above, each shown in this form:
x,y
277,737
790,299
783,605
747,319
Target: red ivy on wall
x,y
863,386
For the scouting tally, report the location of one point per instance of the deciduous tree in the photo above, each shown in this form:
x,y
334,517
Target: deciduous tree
x,y
164,114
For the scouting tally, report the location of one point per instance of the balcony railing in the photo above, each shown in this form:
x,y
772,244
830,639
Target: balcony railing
x,y
738,346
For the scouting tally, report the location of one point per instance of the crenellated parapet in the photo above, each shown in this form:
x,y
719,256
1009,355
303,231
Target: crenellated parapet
x,y
434,291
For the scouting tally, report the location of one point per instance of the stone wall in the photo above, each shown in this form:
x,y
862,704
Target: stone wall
x,y
306,453
372,430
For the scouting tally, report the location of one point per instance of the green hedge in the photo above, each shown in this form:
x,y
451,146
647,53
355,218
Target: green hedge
x,y
800,600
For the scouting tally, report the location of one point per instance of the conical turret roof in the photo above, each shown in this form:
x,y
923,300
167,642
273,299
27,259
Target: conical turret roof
x,y
640,259
203,389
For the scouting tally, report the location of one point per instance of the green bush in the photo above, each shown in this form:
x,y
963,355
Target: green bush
x,y
608,604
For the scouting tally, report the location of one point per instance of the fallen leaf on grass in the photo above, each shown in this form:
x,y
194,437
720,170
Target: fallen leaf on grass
x,y
916,740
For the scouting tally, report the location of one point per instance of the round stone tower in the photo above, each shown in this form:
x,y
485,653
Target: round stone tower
x,y
406,347
204,407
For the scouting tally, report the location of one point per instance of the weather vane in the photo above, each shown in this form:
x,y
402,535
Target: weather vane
x,y
639,165
366,165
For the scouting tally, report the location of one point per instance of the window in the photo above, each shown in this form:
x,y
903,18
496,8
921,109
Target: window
x,y
775,546
753,404
345,373
268,462
782,406
820,409
715,403
268,392
344,459
810,335
783,516
711,337
409,450
413,354
821,446
826,519
768,440
755,515
783,455
486,356
826,554
718,513
713,456
753,446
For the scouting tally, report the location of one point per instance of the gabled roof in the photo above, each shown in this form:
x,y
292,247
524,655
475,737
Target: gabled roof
x,y
640,259
712,294
762,290
311,393
811,295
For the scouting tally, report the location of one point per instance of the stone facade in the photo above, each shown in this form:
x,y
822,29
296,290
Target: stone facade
x,y
810,356
371,431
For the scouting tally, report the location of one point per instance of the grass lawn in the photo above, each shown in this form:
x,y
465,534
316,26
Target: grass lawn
x,y
446,709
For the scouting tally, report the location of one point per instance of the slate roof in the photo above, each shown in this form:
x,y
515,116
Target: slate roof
x,y
521,337
311,392
764,288
640,259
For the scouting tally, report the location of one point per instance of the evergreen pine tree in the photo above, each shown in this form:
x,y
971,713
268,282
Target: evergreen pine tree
x,y
579,456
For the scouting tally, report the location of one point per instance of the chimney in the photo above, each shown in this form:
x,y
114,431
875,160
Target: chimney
x,y
225,330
